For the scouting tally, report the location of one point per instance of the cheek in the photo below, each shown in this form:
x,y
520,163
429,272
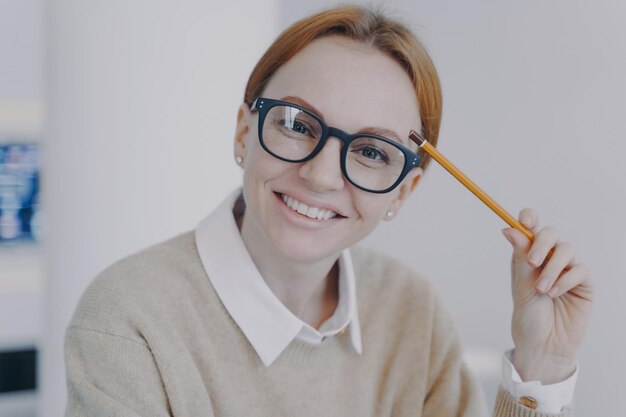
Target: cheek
x,y
371,207
261,166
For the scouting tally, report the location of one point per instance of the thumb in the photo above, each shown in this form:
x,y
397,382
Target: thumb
x,y
521,244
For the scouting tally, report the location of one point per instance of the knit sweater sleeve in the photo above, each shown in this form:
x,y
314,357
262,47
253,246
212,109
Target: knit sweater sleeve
x,y
109,374
506,406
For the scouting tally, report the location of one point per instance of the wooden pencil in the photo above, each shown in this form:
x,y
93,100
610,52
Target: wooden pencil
x,y
469,184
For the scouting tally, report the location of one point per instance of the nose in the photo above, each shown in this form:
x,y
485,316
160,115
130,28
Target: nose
x,y
323,172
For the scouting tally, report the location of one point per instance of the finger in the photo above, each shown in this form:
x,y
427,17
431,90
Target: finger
x,y
544,240
563,256
529,217
521,244
578,276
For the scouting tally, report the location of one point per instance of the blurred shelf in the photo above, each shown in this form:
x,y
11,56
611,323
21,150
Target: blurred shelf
x,y
21,118
19,404
20,268
21,282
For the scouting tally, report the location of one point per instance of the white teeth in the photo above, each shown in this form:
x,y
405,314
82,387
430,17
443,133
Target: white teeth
x,y
303,209
312,212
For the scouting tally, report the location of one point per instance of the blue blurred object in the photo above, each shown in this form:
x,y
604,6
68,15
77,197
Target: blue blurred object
x,y
19,192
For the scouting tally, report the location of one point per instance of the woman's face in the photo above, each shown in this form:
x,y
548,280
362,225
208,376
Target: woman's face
x,y
354,88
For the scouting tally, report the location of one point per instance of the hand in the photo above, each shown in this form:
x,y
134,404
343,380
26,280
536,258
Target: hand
x,y
551,302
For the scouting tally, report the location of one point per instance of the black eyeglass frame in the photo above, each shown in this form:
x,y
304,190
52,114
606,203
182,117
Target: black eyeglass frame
x,y
263,105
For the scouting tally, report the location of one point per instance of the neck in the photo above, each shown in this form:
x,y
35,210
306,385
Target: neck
x,y
310,290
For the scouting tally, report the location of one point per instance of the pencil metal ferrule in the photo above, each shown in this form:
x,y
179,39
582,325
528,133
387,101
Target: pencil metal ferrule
x,y
415,137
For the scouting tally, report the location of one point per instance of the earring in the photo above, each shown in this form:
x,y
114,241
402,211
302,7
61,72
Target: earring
x,y
239,160
389,214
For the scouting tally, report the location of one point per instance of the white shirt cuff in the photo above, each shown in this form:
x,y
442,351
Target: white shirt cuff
x,y
550,398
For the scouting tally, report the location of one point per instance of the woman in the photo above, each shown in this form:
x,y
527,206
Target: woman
x,y
268,308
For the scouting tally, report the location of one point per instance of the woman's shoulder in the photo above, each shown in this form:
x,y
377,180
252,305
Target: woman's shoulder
x,y
139,282
149,267
381,273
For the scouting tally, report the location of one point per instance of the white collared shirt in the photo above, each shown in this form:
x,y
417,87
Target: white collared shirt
x,y
270,327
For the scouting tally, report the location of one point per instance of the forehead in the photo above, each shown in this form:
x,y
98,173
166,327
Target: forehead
x,y
352,84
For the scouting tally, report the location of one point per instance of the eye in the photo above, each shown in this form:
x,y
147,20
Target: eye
x,y
372,153
299,127
296,128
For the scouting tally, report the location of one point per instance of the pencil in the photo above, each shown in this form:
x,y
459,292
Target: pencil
x,y
469,184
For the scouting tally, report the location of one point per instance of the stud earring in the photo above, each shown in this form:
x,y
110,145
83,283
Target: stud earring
x,y
389,214
239,160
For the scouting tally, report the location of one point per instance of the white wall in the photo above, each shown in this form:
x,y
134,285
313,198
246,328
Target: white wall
x,y
534,104
142,99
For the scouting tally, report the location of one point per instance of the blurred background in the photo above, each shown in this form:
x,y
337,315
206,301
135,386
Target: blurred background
x,y
116,127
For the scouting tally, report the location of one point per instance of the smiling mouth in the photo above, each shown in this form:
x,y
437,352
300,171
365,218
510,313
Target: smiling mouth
x,y
309,211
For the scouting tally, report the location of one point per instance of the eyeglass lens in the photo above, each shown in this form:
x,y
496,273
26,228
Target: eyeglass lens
x,y
293,134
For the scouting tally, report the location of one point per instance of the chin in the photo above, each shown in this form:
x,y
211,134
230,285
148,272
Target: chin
x,y
301,249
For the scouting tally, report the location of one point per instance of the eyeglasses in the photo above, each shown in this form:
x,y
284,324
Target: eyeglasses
x,y
370,162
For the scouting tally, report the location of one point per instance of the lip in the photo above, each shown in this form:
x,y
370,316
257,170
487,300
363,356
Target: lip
x,y
301,219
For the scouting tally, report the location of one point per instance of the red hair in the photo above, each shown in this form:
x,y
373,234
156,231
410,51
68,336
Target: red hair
x,y
371,28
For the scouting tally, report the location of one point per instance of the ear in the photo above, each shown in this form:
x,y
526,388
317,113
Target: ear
x,y
243,127
404,190
416,179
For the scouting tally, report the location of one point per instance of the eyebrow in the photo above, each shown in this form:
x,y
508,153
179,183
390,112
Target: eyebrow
x,y
303,103
380,131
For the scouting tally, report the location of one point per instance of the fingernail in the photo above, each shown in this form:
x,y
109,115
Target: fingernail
x,y
533,258
525,220
554,291
506,235
542,286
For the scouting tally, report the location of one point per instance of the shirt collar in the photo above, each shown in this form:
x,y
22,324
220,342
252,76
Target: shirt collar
x,y
267,324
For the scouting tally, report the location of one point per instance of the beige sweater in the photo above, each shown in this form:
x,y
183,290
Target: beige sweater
x,y
150,337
